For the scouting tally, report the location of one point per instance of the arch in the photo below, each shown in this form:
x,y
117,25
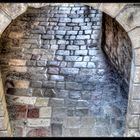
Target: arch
x,y
128,15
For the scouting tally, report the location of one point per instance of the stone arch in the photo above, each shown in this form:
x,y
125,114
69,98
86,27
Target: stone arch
x,y
128,16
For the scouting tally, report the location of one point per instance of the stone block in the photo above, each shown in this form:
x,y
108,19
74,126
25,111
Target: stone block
x,y
69,71
91,65
21,84
17,62
56,130
81,52
38,122
57,78
73,58
38,132
33,112
41,63
80,64
56,102
60,85
49,84
78,20
135,107
59,112
72,47
86,71
53,70
75,94
73,86
45,112
41,102
36,84
62,52
83,37
133,121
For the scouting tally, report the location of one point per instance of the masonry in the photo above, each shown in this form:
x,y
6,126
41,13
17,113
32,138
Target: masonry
x,y
58,80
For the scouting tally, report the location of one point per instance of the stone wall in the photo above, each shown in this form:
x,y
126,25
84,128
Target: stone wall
x,y
117,46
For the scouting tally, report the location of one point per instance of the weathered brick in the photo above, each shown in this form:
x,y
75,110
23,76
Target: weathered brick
x,y
73,58
69,70
17,62
45,112
80,64
38,132
33,112
21,84
38,122
72,47
78,20
53,70
62,52
81,52
49,84
73,86
36,84
42,101
56,78
83,37
60,85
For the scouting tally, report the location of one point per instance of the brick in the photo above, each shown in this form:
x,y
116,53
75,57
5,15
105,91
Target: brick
x,y
72,122
53,63
38,122
41,63
59,32
133,121
17,62
73,58
45,112
48,36
33,112
21,84
72,47
41,101
20,111
38,132
37,92
36,84
79,42
60,85
59,112
91,65
62,52
83,37
69,70
74,94
86,71
73,86
56,78
56,102
78,20
56,130
49,93
63,64
49,84
72,32
81,52
53,70
80,64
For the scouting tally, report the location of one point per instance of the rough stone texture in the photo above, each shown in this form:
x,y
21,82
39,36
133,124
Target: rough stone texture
x,y
117,46
100,78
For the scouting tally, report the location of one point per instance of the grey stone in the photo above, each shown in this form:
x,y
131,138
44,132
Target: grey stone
x,y
58,112
73,86
91,65
82,103
69,70
59,32
56,130
37,84
53,63
56,78
81,52
48,36
83,37
49,84
86,71
74,94
79,42
60,85
72,47
78,20
73,58
80,64
57,102
72,32
53,70
62,52
41,63
49,93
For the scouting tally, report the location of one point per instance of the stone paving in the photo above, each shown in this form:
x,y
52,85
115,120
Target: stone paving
x,y
84,94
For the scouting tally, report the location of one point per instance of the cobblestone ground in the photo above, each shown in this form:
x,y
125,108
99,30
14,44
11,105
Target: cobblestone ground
x,y
85,93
